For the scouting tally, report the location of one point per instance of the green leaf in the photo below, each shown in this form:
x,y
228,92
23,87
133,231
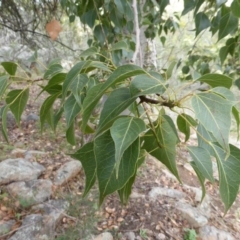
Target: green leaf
x,y
70,134
161,143
89,52
87,157
56,118
228,25
115,104
104,150
53,70
235,6
71,109
17,100
224,92
235,113
56,79
73,75
201,22
10,67
124,132
77,86
95,93
214,112
3,84
216,80
124,193
200,178
229,177
184,122
223,54
3,112
188,6
170,69
147,84
205,138
46,108
202,160
120,45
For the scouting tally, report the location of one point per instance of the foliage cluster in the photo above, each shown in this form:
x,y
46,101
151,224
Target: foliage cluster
x,y
122,139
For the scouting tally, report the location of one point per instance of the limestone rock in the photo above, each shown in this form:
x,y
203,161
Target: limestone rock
x,y
67,171
159,191
31,192
129,235
5,227
19,169
191,214
104,236
211,233
53,211
32,229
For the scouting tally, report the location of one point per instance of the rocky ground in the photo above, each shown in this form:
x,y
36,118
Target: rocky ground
x,y
41,188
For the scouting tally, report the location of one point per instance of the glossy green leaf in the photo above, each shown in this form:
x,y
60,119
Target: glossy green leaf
x,y
53,70
56,118
46,108
216,80
115,104
95,93
104,150
124,132
214,112
10,67
71,109
201,22
228,25
161,143
70,134
147,84
235,7
57,79
17,100
229,177
88,159
202,160
184,122
3,84
124,193
3,112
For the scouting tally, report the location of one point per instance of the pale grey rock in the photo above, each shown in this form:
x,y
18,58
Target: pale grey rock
x,y
104,236
53,211
67,171
5,227
31,153
31,192
32,117
159,191
191,214
19,169
160,236
211,233
32,228
129,235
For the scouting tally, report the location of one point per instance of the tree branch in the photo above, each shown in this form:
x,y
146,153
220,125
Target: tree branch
x,y
165,103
